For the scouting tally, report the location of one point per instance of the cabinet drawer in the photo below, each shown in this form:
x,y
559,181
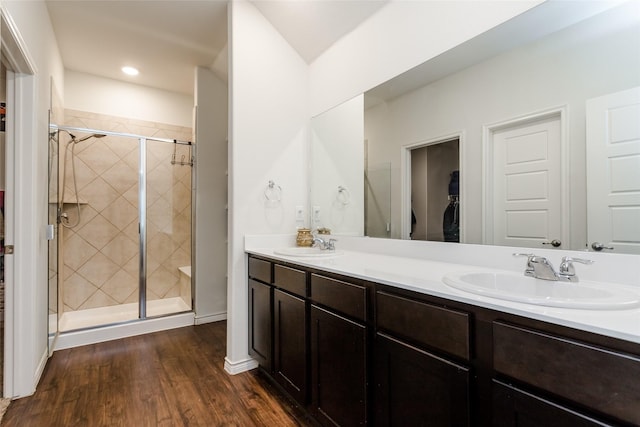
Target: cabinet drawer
x,y
435,327
347,298
260,270
603,380
513,407
289,279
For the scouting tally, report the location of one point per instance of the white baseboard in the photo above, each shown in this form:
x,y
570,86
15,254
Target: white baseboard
x,y
240,366
210,318
92,336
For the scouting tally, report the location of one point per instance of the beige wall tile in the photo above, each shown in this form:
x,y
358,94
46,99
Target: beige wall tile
x,y
121,249
98,299
108,181
77,290
77,251
98,232
98,269
120,286
121,213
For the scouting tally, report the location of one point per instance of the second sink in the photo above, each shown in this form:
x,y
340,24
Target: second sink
x,y
519,288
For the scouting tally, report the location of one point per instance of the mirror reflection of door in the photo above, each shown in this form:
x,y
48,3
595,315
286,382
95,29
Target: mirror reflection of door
x,y
613,172
434,211
527,191
377,199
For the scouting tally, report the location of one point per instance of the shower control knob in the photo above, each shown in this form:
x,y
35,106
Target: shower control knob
x,y
597,246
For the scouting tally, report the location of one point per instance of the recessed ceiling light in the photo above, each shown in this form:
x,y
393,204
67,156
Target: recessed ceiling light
x,y
130,71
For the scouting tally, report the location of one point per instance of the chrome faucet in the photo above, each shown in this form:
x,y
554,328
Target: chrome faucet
x,y
324,245
541,268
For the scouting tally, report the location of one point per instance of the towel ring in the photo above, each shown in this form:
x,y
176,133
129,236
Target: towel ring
x,y
343,196
273,192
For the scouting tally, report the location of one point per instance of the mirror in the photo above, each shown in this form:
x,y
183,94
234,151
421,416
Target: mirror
x,y
515,78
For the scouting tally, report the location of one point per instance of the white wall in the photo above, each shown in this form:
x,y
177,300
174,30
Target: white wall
x,y
86,92
29,351
400,36
337,151
268,127
563,69
210,236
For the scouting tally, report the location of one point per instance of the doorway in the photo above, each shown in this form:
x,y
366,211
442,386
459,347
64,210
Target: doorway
x,y
434,190
613,172
525,183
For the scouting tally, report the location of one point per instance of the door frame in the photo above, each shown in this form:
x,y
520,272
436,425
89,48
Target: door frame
x,y
488,132
405,185
22,319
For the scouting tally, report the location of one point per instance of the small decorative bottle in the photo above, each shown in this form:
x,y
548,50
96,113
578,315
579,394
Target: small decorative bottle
x,y
304,237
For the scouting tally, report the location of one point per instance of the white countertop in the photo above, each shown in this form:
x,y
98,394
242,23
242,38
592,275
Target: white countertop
x,y
425,276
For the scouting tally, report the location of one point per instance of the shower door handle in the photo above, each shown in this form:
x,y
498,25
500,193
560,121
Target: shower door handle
x,y
51,232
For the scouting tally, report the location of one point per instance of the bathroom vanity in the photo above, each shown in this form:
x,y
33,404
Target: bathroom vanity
x,y
373,348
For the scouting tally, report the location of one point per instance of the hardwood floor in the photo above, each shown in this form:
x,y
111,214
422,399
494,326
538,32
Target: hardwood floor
x,y
170,378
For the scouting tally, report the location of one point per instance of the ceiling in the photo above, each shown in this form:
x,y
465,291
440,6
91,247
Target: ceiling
x,y
166,40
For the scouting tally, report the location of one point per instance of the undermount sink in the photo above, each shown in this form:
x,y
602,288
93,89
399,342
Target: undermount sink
x,y
307,252
520,288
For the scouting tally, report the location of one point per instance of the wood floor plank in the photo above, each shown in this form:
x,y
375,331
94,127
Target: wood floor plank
x,y
169,378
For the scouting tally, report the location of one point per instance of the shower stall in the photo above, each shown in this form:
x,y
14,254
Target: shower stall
x,y
121,222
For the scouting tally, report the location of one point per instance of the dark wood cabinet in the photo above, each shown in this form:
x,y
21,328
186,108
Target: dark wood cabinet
x,y
417,388
260,323
354,353
516,408
603,380
290,342
338,369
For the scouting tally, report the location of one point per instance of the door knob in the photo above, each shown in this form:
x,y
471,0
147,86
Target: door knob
x,y
555,243
597,246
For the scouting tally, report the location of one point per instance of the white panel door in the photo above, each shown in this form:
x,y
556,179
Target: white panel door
x,y
526,184
613,171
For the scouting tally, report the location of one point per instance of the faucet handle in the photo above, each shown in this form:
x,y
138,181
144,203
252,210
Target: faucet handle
x,y
331,244
568,271
529,270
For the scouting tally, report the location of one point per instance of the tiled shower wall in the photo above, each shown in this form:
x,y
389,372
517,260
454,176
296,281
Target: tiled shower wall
x,y
101,254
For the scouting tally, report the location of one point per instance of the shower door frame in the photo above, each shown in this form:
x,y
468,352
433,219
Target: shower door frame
x,y
142,212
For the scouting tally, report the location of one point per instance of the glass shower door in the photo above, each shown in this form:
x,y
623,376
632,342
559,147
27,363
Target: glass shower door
x,y
99,219
168,227
377,195
52,236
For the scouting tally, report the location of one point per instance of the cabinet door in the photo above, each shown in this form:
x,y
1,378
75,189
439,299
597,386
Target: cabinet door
x,y
260,323
513,407
416,388
338,369
290,354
